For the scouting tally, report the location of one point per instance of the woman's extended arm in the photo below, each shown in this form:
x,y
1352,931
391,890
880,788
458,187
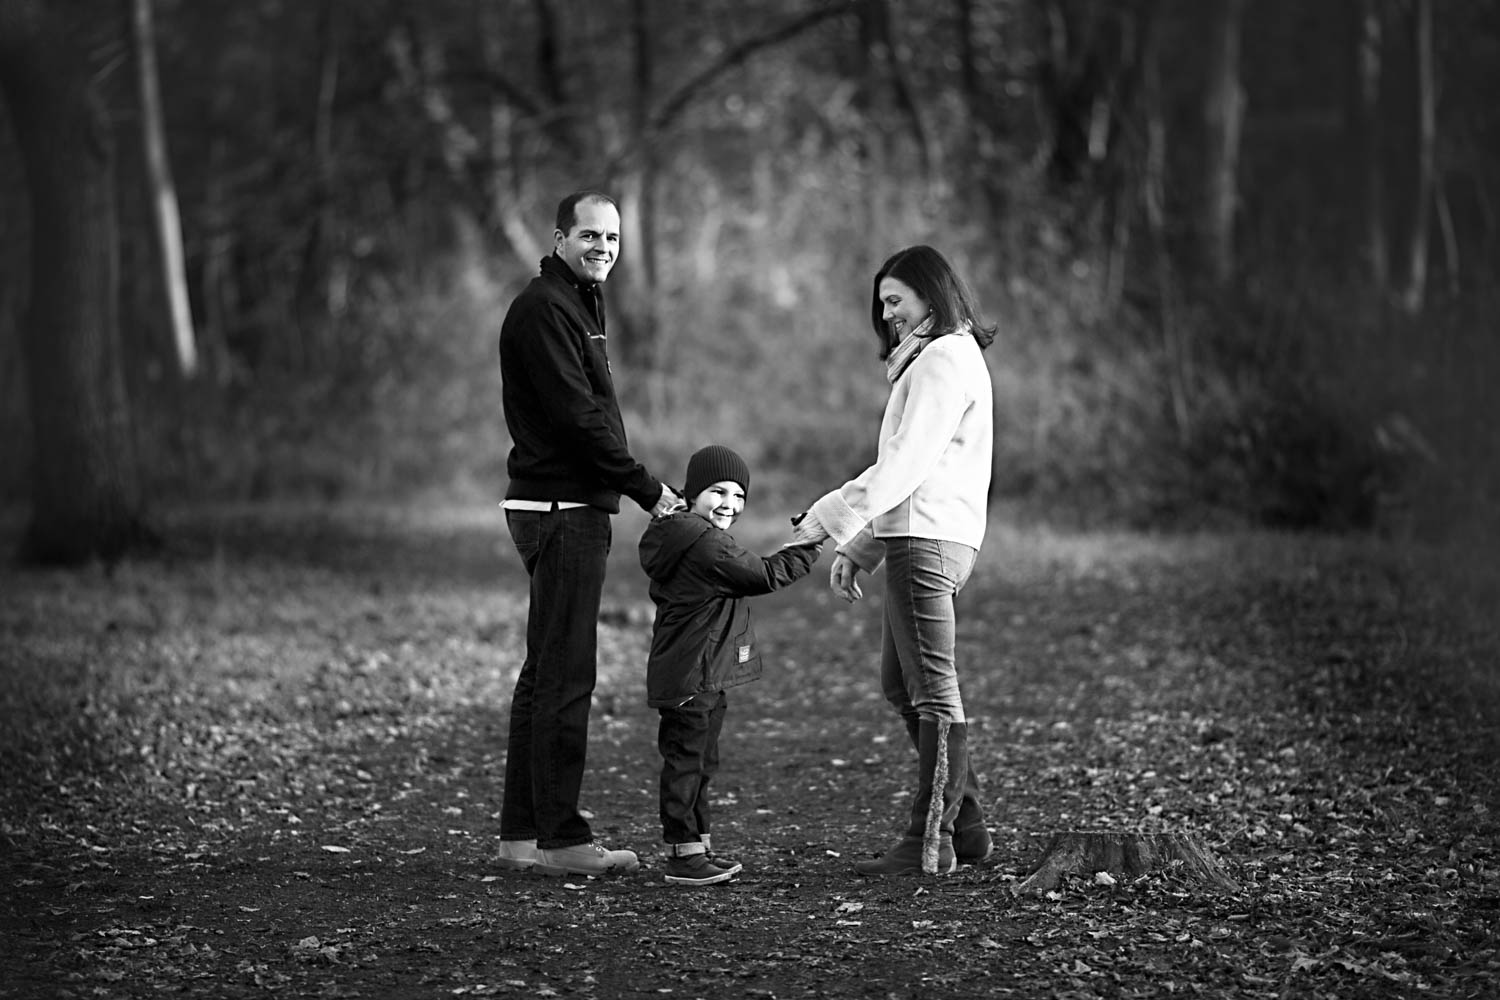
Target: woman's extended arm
x,y
932,410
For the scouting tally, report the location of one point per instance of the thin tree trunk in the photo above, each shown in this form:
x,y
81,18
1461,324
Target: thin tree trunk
x,y
641,318
86,495
165,216
1415,292
319,294
1369,40
216,282
870,144
881,36
1449,232
1224,112
506,194
1071,79
968,69
1124,165
1176,346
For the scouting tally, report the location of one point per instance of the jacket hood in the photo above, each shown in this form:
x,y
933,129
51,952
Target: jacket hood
x,y
667,539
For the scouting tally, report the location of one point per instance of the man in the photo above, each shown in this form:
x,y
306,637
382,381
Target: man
x,y
568,466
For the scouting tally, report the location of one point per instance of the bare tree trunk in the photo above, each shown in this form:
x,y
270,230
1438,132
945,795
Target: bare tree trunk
x,y
86,495
1369,70
1176,345
879,35
506,191
421,66
968,71
979,186
1415,292
870,143
641,317
321,293
1126,154
168,222
1074,78
217,282
1224,114
1450,238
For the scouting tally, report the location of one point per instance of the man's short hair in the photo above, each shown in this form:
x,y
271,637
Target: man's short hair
x,y
567,209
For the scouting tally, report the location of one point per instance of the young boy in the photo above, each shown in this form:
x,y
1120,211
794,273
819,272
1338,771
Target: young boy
x,y
702,643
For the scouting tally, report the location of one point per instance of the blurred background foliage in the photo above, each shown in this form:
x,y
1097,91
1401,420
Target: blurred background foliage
x,y
365,185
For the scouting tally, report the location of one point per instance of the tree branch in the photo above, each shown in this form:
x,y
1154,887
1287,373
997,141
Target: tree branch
x,y
676,103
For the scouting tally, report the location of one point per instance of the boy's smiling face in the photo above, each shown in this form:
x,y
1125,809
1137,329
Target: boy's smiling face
x,y
720,503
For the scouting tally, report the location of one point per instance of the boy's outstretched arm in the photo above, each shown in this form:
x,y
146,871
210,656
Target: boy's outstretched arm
x,y
742,573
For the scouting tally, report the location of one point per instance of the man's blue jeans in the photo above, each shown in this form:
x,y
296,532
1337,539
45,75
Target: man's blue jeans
x,y
918,674
565,552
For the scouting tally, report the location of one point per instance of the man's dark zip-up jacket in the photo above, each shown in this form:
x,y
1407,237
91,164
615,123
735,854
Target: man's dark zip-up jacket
x,y
568,439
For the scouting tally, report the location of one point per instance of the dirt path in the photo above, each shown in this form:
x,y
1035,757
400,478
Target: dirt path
x,y
272,765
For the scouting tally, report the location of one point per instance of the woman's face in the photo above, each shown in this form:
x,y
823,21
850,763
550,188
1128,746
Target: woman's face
x,y
901,308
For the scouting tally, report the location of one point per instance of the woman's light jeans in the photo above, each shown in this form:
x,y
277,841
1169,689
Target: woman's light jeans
x,y
918,674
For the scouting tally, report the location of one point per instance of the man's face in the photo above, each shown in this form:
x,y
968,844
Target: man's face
x,y
590,249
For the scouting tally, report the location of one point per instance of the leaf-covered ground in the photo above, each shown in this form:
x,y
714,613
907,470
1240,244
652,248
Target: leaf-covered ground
x,y
270,765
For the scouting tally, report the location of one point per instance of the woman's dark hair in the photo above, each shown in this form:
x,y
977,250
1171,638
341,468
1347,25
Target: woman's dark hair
x,y
929,274
567,209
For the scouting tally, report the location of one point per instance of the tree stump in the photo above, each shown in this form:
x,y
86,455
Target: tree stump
x,y
1123,854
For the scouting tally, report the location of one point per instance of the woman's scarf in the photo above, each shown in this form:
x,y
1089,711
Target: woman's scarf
x,y
904,353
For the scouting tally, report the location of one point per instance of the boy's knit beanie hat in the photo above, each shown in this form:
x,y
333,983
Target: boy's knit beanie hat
x,y
714,464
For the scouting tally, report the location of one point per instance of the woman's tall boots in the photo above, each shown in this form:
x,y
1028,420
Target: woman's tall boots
x,y
971,838
942,774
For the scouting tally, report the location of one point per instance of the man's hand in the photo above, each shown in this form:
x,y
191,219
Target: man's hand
x,y
668,503
843,578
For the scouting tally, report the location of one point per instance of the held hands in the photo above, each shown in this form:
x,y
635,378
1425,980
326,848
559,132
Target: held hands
x,y
808,529
844,578
800,542
668,503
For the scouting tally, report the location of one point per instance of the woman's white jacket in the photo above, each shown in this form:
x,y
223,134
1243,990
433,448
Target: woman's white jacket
x,y
931,476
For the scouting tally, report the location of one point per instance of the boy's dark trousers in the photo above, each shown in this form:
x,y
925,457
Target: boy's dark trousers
x,y
688,739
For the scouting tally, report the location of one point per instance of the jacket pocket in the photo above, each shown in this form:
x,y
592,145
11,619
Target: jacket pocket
x,y
739,660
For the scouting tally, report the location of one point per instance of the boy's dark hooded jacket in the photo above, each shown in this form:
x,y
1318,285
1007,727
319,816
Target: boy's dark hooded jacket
x,y
700,577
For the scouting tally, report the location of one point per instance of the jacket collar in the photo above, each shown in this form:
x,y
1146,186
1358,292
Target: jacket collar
x,y
589,293
554,265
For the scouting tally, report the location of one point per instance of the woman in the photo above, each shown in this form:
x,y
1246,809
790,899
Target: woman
x,y
921,508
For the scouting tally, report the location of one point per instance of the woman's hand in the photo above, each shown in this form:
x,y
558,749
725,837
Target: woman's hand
x,y
807,529
844,578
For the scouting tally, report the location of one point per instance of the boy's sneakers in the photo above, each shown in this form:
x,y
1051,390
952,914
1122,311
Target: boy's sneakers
x,y
584,859
719,859
689,864
516,855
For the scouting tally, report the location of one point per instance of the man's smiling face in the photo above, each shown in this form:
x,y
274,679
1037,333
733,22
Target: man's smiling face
x,y
590,248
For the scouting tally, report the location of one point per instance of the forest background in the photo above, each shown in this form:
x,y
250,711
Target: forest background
x,y
1241,253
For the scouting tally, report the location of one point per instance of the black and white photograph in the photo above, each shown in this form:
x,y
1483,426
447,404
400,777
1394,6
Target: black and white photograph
x,y
750,499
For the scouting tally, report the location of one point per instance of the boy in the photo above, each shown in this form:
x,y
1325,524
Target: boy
x,y
702,643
